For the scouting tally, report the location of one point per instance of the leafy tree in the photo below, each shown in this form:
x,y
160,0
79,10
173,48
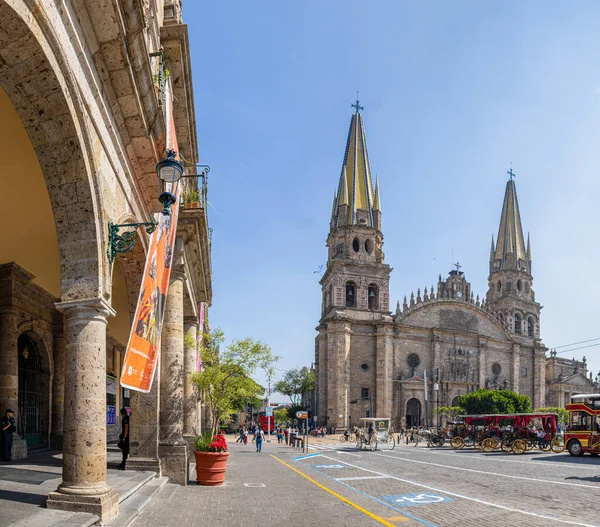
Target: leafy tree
x,y
297,383
494,402
281,415
563,415
451,412
225,379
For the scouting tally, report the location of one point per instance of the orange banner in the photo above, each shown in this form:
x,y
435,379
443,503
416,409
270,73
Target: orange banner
x,y
141,356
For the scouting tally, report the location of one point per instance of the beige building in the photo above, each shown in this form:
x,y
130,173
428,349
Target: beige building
x,y
83,92
370,361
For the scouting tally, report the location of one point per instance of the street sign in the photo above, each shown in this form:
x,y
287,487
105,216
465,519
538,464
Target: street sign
x,y
268,412
301,414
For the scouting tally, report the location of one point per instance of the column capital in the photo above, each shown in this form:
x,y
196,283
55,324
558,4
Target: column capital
x,y
90,308
191,321
177,273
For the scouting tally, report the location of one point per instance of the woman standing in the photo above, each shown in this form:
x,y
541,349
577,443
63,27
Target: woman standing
x,y
123,443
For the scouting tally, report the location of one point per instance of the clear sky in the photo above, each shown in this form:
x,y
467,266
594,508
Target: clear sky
x,y
453,93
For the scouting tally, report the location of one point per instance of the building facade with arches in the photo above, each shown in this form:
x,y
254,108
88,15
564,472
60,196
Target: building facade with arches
x,y
83,98
370,360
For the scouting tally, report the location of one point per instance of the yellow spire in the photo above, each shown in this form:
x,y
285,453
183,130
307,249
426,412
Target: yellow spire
x,y
510,240
355,178
377,202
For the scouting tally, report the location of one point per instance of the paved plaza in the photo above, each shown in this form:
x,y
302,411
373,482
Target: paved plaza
x,y
340,486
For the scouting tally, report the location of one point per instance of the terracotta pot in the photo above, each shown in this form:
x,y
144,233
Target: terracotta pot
x,y
210,467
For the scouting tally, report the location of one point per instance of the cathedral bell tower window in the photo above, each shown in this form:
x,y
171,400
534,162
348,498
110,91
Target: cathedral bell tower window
x,y
369,246
517,323
350,294
356,245
373,297
499,286
530,327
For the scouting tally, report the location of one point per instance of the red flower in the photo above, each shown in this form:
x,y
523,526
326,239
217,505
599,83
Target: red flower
x,y
219,444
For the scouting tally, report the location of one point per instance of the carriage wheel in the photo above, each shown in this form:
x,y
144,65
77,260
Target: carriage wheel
x,y
359,442
519,446
557,444
457,443
441,441
506,445
390,442
373,444
469,441
488,445
530,444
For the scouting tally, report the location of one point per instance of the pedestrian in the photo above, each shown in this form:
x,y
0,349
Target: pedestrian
x,y
286,433
245,436
7,426
259,440
123,443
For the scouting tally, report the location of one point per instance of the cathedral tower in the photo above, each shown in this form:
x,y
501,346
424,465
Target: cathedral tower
x,y
356,276
510,295
353,355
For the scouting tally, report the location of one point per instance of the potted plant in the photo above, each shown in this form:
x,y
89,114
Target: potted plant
x,y
191,199
211,458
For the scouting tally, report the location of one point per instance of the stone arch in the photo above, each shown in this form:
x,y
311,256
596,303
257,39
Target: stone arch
x,y
454,401
39,83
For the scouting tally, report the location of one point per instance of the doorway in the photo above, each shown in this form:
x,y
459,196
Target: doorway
x,y
29,418
413,413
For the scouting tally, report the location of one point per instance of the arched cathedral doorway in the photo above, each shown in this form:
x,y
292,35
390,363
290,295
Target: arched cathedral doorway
x,y
31,396
413,412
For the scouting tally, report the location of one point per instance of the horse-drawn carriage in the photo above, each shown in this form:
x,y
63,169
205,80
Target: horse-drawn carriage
x,y
375,431
508,432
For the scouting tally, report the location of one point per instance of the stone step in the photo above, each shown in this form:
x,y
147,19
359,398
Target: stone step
x,y
132,485
55,518
131,506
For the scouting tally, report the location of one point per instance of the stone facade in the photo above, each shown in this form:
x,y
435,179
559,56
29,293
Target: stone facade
x,y
87,82
372,362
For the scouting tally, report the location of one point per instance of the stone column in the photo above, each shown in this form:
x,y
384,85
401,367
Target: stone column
x,y
383,380
84,487
172,448
59,345
482,373
515,380
144,428
190,413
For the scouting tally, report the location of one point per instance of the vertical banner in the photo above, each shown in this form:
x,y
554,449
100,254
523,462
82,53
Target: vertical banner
x,y
141,356
200,335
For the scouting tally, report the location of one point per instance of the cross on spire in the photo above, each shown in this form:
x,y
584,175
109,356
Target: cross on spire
x,y
511,173
357,105
457,265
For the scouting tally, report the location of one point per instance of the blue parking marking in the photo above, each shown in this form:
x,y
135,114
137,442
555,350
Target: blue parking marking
x,y
330,466
416,499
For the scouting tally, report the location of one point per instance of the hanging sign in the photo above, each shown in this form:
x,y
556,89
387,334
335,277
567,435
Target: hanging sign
x,y
139,364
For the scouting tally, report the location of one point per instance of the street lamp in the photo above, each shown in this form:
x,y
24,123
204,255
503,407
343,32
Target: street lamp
x,y
169,172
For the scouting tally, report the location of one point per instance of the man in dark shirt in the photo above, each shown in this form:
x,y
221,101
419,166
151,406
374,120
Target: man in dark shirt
x,y
124,437
7,427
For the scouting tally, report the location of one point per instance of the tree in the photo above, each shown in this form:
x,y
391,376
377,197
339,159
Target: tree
x,y
451,412
563,415
281,415
297,383
494,402
225,378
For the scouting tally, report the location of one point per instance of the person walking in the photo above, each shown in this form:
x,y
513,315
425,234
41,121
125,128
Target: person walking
x,y
259,439
245,433
7,428
123,443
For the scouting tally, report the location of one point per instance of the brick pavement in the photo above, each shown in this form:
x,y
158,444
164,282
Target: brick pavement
x,y
259,491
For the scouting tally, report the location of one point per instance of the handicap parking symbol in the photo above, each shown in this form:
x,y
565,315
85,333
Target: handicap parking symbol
x,y
411,500
330,466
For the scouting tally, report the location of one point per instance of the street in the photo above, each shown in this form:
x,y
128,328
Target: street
x,y
335,484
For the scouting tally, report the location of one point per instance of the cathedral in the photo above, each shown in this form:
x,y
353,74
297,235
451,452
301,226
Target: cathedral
x,y
439,344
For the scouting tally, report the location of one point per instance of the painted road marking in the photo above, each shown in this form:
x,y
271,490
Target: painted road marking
x,y
330,466
469,498
347,453
358,507
252,485
502,459
595,487
306,457
360,477
411,500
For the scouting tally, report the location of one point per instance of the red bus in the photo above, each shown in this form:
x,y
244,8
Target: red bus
x,y
266,422
582,435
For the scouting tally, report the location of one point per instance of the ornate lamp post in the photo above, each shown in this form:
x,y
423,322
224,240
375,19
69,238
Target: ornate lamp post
x,y
169,172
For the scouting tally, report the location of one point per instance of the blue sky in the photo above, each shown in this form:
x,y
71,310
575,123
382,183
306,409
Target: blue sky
x,y
453,93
